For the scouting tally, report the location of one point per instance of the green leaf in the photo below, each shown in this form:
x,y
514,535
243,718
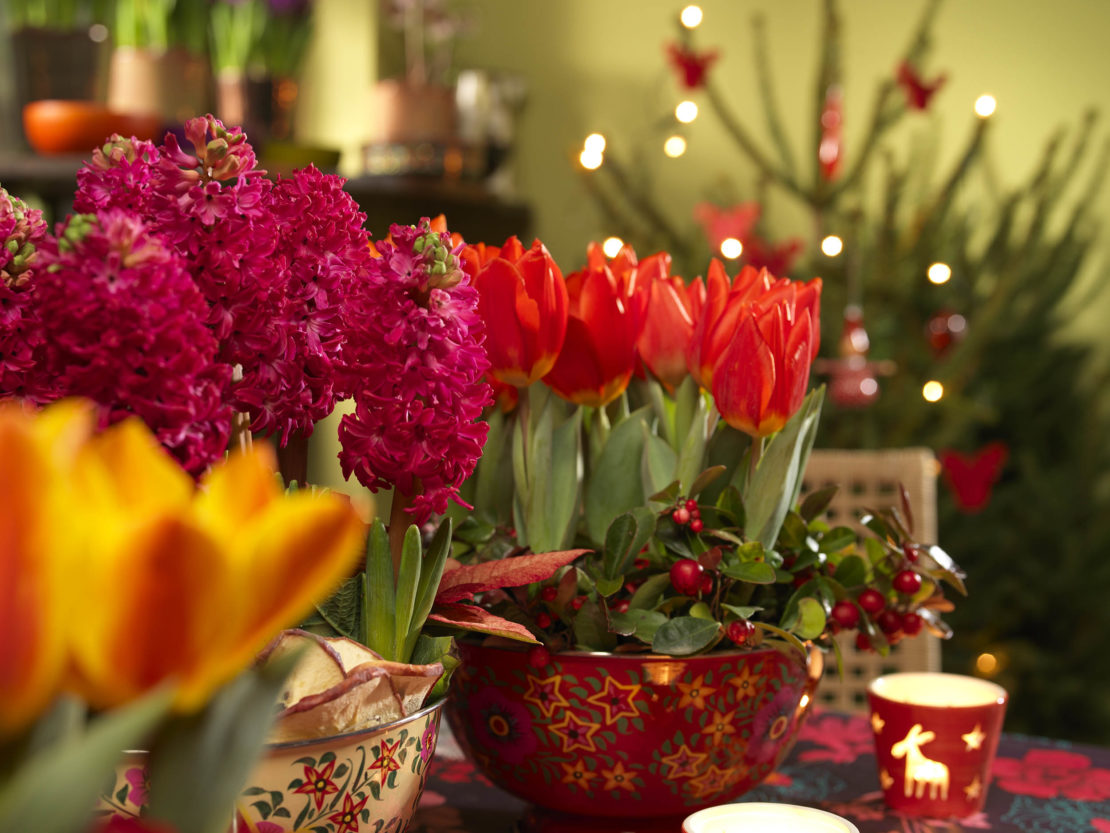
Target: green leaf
x,y
642,624
342,610
431,572
379,598
811,619
730,503
838,538
753,572
692,427
774,487
658,463
743,611
626,536
546,466
647,595
613,489
816,503
493,476
794,531
408,577
608,586
200,762
590,632
684,635
55,790
704,479
851,571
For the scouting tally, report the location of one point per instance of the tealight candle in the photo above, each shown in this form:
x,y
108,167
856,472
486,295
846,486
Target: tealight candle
x,y
756,817
935,739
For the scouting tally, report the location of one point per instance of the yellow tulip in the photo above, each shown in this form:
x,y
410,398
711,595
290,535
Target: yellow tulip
x,y
117,574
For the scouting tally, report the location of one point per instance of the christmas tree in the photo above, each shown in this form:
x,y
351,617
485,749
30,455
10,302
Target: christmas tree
x,y
942,323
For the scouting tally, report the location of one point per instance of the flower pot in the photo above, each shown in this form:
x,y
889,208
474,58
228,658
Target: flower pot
x,y
370,779
629,736
173,84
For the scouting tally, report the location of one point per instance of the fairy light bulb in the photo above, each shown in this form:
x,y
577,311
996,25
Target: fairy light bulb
x,y
674,147
939,273
985,106
612,246
590,160
691,17
686,111
986,664
932,391
731,248
832,245
595,143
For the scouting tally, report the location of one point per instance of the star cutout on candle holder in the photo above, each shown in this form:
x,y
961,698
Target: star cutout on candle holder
x,y
973,789
974,738
877,723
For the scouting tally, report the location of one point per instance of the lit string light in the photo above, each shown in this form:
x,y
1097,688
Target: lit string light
x,y
985,106
939,273
932,391
691,17
686,111
612,246
832,245
731,248
675,146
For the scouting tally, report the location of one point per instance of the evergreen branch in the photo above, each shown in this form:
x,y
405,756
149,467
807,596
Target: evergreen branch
x,y
614,214
934,214
886,112
749,147
642,203
828,76
767,96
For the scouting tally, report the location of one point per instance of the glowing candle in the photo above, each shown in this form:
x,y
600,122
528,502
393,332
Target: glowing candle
x,y
755,817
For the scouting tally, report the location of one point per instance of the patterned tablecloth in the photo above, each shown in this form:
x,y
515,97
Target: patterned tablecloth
x,y
1038,786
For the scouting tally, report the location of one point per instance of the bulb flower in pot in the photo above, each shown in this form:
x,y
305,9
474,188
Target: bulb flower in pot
x,y
668,435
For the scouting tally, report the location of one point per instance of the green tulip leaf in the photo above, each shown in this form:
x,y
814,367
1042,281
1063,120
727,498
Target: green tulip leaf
x,y
657,466
684,635
613,487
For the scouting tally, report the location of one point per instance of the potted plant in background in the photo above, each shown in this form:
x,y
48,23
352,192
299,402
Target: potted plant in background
x,y
665,426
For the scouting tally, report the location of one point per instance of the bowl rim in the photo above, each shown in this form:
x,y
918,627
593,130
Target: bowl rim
x,y
641,657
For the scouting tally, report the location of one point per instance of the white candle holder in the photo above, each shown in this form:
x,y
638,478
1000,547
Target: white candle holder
x,y
757,817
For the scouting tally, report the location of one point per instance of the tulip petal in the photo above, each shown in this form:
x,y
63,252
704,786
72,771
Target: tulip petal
x,y
508,314
745,380
288,558
160,606
32,650
238,489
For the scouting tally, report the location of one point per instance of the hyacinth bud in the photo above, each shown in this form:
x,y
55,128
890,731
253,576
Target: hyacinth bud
x,y
21,231
114,152
440,265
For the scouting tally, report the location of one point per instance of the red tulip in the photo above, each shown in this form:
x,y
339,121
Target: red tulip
x,y
599,353
761,378
668,327
522,299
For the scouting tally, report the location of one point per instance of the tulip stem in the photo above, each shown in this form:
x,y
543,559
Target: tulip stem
x,y
399,521
753,458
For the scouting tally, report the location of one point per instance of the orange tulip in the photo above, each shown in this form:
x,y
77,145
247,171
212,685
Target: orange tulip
x,y
117,574
759,365
599,354
522,299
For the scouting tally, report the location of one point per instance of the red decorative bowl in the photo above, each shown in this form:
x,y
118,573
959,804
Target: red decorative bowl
x,y
54,126
630,736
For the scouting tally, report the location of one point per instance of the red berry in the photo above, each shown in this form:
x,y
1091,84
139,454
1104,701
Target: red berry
x,y
681,515
907,581
632,586
577,602
641,563
912,623
863,642
686,576
871,600
889,621
549,592
622,606
910,551
692,506
846,614
538,656
696,525
706,583
543,619
740,631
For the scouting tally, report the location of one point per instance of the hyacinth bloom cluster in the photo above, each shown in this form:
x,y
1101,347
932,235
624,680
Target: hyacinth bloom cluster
x,y
22,232
414,364
272,260
127,330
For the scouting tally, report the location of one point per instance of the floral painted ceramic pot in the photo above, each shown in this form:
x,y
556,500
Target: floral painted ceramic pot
x,y
629,735
368,781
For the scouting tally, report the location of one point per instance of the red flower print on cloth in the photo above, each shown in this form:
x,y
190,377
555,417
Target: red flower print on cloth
x,y
1050,773
318,783
346,820
1101,825
840,740
457,772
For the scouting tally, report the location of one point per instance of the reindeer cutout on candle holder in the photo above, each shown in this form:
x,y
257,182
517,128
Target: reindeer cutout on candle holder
x,y
919,769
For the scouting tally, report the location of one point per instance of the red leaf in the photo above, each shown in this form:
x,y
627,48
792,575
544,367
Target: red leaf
x,y
474,618
465,581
